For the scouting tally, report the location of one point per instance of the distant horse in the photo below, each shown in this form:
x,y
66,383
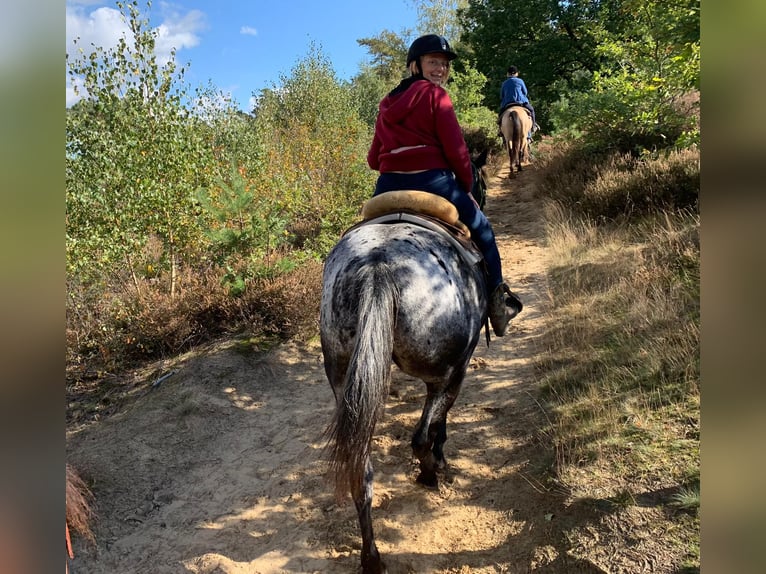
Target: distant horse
x,y
515,124
401,292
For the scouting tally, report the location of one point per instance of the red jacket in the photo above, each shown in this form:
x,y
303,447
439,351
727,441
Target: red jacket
x,y
422,115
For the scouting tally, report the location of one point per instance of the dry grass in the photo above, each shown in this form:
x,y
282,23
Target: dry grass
x,y
109,336
79,513
616,186
621,367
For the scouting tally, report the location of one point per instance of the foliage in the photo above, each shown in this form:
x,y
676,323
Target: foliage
x,y
621,367
465,90
648,66
162,186
134,158
367,89
112,333
548,41
228,132
317,152
439,17
388,55
613,186
247,231
615,69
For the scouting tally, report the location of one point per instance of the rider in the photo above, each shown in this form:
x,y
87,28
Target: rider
x,y
418,144
514,92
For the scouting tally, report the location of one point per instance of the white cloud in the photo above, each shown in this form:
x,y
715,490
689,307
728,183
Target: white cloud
x,y
101,27
248,31
179,31
104,27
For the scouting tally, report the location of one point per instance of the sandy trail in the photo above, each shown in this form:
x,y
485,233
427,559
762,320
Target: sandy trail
x,y
218,469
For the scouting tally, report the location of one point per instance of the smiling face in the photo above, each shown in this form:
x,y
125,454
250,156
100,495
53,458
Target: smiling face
x,y
435,68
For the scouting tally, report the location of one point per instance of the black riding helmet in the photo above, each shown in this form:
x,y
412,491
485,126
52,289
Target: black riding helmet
x,y
429,44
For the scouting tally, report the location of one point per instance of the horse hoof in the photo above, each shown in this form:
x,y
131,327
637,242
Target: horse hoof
x,y
448,476
373,567
428,480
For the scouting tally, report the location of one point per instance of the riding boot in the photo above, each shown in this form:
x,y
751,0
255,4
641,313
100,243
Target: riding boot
x,y
504,305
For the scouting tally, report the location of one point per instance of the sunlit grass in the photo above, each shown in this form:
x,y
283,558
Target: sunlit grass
x,y
620,371
688,498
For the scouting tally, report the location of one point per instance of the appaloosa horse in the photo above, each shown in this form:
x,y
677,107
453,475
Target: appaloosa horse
x,y
401,292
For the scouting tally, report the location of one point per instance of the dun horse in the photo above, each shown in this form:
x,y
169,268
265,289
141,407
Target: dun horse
x,y
515,125
401,292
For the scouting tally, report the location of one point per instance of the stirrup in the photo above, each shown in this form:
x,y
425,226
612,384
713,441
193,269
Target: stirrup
x,y
504,305
513,301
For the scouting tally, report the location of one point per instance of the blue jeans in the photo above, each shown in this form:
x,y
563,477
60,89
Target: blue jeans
x,y
442,182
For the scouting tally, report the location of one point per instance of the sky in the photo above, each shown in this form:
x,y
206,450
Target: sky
x,y
243,46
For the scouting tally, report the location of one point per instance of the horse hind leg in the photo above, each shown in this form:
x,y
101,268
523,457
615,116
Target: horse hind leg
x,y
362,495
440,437
511,175
422,448
431,433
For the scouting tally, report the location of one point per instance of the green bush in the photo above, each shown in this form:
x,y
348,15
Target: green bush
x,y
614,185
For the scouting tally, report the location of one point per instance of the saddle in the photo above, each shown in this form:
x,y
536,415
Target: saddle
x,y
424,209
513,105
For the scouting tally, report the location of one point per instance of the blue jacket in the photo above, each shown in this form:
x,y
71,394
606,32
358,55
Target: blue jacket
x,y
513,90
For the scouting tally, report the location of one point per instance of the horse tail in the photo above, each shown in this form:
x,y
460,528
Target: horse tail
x,y
367,380
518,138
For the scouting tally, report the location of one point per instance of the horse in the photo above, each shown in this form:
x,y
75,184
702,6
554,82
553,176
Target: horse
x,y
515,124
394,292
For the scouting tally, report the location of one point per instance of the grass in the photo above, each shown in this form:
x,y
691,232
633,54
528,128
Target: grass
x,y
109,337
620,367
688,498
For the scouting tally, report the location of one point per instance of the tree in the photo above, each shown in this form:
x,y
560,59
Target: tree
x,y
649,65
135,156
466,91
367,89
568,48
317,148
439,17
547,40
229,132
388,55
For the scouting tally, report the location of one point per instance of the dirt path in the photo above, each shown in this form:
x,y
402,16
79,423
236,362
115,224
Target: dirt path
x,y
218,469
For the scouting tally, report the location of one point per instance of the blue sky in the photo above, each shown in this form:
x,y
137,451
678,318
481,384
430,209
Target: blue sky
x,y
244,46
